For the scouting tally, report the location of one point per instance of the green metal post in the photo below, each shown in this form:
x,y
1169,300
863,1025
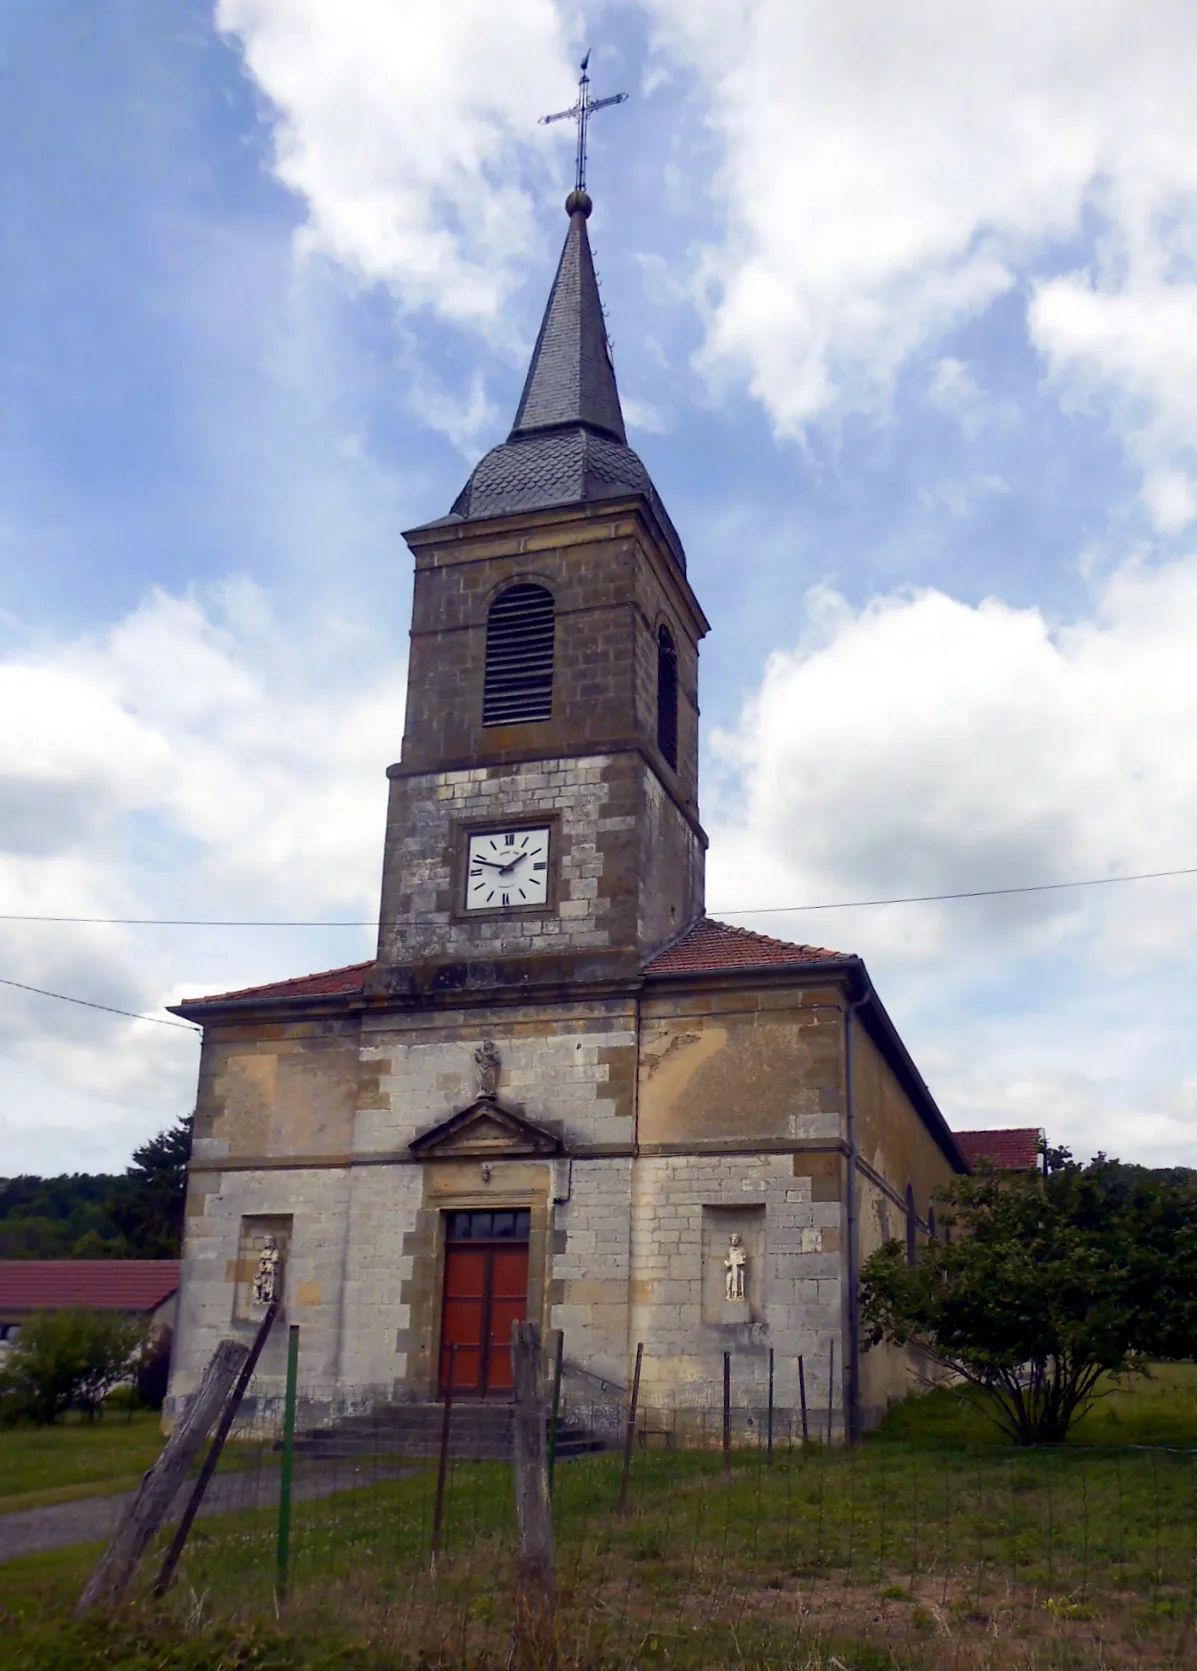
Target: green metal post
x,y
558,1364
284,1491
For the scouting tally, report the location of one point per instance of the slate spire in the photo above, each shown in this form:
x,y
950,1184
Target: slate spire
x,y
571,379
568,445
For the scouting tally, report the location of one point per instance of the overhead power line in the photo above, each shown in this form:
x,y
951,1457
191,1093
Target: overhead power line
x,y
86,1003
725,910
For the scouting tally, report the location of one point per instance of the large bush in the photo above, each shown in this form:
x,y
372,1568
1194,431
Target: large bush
x,y
1048,1283
66,1360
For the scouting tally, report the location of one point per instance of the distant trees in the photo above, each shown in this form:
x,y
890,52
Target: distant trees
x,y
1048,1282
68,1360
100,1215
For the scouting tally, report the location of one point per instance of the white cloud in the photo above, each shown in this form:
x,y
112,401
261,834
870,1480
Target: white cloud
x,y
922,746
889,171
406,129
195,759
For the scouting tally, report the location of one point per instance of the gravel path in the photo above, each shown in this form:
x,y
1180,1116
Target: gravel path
x,y
92,1519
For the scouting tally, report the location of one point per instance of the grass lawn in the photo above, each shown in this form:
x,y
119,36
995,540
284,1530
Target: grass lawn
x,y
75,1458
1155,1409
930,1548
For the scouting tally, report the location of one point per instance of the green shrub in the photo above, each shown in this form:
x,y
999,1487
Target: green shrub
x,y
66,1360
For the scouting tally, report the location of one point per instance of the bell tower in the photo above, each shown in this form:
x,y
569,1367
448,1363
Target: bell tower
x,y
543,818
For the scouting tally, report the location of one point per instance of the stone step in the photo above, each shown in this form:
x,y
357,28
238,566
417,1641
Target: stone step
x,y
477,1432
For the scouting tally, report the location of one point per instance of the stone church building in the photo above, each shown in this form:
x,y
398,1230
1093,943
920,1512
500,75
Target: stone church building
x,y
559,1090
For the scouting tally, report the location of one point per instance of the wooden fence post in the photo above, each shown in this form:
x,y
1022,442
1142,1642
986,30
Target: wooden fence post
x,y
770,1406
802,1400
535,1644
111,1579
830,1390
171,1561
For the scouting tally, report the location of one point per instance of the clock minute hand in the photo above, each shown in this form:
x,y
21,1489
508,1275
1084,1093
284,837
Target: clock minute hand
x,y
493,863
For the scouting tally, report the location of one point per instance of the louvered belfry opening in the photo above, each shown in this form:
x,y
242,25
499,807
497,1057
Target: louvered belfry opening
x,y
519,657
667,696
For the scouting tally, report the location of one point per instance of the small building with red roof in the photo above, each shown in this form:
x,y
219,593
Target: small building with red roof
x,y
146,1288
1005,1148
558,1090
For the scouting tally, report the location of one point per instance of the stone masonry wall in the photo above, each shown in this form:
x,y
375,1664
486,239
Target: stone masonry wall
x,y
601,818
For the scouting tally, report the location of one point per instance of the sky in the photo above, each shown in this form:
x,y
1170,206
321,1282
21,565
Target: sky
x,y
903,307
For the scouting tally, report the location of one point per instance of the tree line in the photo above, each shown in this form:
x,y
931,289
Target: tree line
x,y
137,1214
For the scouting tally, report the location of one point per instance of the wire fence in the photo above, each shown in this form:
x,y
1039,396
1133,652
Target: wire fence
x,y
735,1545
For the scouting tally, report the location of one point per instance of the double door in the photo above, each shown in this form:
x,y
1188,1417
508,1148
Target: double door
x,y
486,1291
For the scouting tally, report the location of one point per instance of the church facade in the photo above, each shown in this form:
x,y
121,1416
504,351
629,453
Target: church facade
x,y
559,1090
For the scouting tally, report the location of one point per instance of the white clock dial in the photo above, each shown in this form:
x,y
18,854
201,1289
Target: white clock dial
x,y
507,869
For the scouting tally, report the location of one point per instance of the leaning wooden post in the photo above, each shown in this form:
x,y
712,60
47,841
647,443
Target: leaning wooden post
x,y
630,1432
438,1514
111,1579
802,1400
167,1570
284,1487
534,1602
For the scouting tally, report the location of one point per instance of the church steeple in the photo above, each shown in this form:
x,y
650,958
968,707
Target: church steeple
x,y
571,379
568,445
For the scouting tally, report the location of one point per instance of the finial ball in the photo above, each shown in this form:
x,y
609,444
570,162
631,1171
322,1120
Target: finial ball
x,y
578,203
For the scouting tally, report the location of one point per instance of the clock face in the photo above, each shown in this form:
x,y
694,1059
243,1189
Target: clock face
x,y
507,868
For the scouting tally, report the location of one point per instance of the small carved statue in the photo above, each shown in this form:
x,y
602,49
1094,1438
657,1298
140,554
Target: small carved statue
x,y
487,1058
735,1265
266,1278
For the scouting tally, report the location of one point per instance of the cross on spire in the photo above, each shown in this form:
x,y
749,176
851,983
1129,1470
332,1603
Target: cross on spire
x,y
581,113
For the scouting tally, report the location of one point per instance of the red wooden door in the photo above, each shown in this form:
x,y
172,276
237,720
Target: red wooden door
x,y
486,1291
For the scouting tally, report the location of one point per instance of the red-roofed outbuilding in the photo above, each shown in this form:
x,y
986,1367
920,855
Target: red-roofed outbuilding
x,y
140,1287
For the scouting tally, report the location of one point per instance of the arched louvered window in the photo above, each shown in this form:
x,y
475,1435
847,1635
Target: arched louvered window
x,y
519,657
667,696
912,1246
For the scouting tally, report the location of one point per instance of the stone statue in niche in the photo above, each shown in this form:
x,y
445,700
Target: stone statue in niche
x,y
735,1265
267,1275
487,1058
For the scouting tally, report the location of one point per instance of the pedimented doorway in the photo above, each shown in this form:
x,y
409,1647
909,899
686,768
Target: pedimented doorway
x,y
485,1292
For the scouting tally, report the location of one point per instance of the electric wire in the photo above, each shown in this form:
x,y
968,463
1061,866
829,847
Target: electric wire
x,y
726,910
109,1009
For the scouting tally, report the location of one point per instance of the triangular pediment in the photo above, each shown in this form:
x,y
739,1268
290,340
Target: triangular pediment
x,y
485,1131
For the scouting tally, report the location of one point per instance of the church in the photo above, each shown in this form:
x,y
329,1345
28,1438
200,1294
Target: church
x,y
559,1091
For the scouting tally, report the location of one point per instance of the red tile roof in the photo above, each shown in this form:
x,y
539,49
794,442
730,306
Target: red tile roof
x,y
711,946
99,1284
1012,1149
329,983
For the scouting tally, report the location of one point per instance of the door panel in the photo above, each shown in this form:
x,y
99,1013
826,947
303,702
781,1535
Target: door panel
x,y
486,1291
464,1321
508,1305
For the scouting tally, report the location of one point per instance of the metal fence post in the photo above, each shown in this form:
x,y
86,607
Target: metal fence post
x,y
284,1489
802,1400
443,1465
630,1434
770,1450
727,1413
830,1388
558,1365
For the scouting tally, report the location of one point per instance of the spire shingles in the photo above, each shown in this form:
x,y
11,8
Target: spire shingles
x,y
571,379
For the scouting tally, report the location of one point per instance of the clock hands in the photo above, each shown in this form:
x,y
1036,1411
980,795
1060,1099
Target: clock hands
x,y
503,870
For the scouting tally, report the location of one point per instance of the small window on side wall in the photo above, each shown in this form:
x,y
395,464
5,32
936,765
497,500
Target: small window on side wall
x,y
518,683
667,696
912,1245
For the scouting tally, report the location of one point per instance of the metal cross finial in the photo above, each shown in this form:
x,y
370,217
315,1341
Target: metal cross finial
x,y
581,114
